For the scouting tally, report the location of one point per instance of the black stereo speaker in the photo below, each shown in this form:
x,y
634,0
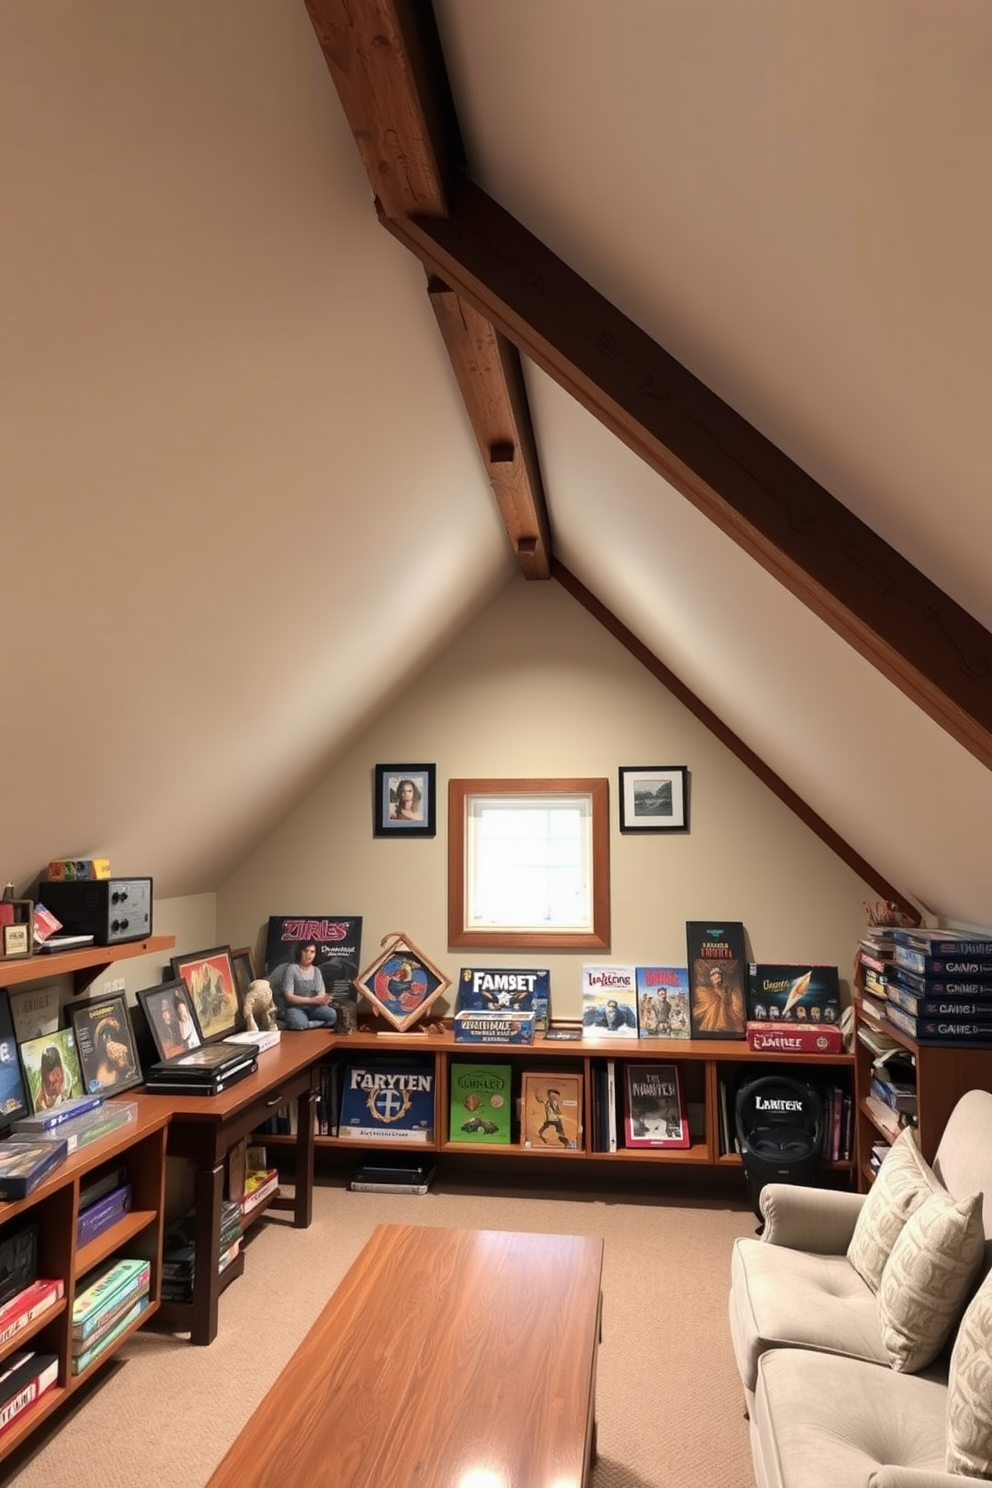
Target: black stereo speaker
x,y
112,910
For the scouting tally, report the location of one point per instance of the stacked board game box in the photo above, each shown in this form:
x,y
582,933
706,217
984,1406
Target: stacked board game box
x,y
208,1070
107,1302
24,1378
87,1126
940,986
179,1250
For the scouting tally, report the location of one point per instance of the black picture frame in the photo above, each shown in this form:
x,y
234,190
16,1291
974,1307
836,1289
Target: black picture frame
x,y
392,781
108,1056
161,1007
654,798
243,963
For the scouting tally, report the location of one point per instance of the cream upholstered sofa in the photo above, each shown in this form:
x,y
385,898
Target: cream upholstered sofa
x,y
862,1324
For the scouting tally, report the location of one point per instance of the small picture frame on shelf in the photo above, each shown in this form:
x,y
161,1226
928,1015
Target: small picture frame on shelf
x,y
105,1045
171,1018
209,978
16,928
654,798
243,962
404,802
401,984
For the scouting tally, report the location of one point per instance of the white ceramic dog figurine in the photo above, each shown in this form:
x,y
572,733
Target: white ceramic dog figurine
x,y
259,1007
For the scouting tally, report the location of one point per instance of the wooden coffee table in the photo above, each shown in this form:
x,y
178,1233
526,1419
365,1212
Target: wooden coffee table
x,y
445,1357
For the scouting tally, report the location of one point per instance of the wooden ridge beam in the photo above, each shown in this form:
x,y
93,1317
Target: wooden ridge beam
x,y
877,601
491,381
716,725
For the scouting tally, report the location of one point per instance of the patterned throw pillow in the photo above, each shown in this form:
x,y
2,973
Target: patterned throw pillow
x,y
904,1181
969,1390
928,1277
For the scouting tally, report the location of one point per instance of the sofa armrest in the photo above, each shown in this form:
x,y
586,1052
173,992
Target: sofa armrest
x,y
820,1220
890,1476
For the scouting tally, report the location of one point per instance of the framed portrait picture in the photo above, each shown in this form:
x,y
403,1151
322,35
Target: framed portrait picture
x,y
171,1018
404,804
243,961
209,978
105,1045
51,1070
654,798
13,1097
401,984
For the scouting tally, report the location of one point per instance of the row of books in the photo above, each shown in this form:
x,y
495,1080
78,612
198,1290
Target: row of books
x,y
179,1250
933,985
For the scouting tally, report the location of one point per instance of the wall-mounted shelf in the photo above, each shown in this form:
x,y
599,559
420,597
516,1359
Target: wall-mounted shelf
x,y
84,965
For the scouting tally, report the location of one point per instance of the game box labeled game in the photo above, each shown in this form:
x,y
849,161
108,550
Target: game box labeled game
x,y
388,1100
481,1109
550,1110
780,992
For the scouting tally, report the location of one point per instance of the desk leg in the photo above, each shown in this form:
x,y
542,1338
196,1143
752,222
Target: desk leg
x,y
206,1282
303,1176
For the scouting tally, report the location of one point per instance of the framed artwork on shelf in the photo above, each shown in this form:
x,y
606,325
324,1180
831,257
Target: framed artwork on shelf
x,y
243,962
13,1097
171,1018
51,1070
105,1045
404,802
654,798
401,984
209,978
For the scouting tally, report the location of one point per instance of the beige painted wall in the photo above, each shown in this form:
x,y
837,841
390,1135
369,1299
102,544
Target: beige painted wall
x,y
535,687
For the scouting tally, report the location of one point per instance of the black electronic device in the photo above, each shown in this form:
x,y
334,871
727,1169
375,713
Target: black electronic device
x,y
112,910
779,1121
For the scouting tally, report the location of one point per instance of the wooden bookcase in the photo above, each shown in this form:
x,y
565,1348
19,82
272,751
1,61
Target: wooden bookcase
x,y
140,1147
705,1063
943,1073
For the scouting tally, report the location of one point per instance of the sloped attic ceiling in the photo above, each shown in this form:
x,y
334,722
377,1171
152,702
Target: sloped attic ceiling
x,y
228,409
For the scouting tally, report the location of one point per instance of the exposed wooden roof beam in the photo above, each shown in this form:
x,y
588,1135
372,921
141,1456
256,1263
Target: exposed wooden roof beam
x,y
491,380
718,727
914,633
385,59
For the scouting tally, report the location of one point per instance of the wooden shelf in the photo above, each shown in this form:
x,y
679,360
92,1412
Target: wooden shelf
x,y
84,965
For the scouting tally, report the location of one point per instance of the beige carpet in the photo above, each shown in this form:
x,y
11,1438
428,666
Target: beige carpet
x,y
669,1404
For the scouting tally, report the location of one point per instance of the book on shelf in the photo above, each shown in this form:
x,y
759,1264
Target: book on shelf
x,y
46,1120
881,1044
662,1001
388,1099
717,971
260,1038
36,1376
25,1164
875,983
978,989
937,942
787,993
886,1119
609,1002
99,1216
98,1345
480,1104
21,1311
897,1094
942,1030
88,1126
104,1288
35,1010
550,1110
611,1105
654,1106
259,1187
956,966
918,1005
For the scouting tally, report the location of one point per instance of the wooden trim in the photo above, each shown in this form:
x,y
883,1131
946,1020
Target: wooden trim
x,y
729,739
892,614
599,937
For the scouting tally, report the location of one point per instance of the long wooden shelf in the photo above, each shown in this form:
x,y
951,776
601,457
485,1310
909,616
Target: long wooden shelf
x,y
84,965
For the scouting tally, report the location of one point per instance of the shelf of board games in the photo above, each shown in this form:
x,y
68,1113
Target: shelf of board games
x,y
84,965
943,1073
138,1147
702,1061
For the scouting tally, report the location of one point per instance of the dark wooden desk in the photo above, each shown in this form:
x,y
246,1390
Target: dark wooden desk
x,y
444,1357
205,1128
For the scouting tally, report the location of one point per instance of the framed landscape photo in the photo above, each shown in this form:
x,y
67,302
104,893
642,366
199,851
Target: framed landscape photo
x,y
401,984
171,1018
51,1070
404,803
108,1059
654,798
209,978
